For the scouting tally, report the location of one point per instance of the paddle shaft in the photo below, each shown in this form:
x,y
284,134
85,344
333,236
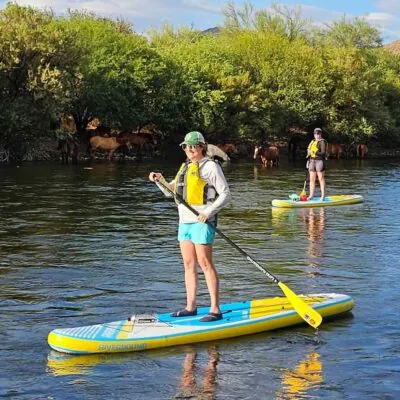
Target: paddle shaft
x,y
305,182
194,211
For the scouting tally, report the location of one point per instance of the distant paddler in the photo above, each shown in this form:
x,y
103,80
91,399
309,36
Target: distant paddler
x,y
316,153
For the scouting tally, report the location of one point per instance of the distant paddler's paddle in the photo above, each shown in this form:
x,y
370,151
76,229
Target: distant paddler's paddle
x,y
306,312
303,194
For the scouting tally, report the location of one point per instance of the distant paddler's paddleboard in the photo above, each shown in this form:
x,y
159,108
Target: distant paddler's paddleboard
x,y
145,332
339,200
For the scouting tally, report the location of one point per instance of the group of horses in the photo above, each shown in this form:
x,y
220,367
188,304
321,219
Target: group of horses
x,y
337,151
141,142
144,144
269,154
298,144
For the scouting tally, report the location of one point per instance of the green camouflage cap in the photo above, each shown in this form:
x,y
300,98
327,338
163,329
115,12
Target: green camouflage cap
x,y
193,138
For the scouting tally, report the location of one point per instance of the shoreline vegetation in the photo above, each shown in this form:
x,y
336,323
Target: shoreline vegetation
x,y
263,76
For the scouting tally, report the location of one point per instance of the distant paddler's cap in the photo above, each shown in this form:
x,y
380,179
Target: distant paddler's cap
x,y
193,138
318,131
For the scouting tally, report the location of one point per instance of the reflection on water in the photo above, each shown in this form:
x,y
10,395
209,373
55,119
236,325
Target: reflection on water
x,y
308,221
192,385
306,376
198,372
197,378
59,364
314,218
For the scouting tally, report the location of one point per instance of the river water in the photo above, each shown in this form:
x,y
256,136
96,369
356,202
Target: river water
x,y
82,246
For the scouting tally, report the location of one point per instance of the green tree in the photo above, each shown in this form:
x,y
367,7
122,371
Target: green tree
x,y
31,53
356,32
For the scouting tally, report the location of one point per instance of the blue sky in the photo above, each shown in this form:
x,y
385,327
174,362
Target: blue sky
x,y
203,14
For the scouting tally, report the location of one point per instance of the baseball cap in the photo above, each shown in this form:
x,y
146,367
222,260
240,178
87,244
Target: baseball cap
x,y
193,138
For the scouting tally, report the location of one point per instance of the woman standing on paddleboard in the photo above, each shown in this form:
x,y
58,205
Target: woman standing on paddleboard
x,y
316,153
202,184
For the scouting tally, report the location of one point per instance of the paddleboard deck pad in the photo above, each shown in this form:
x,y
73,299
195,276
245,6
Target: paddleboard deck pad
x,y
149,331
338,200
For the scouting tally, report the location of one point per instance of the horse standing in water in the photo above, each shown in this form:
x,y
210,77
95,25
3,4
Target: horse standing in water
x,y
361,150
143,142
229,148
214,151
68,147
109,144
64,148
335,150
269,155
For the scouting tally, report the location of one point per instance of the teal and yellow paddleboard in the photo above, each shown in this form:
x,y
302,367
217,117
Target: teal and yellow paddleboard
x,y
338,200
144,332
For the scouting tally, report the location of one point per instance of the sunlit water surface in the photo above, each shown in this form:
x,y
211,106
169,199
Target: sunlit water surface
x,y
82,246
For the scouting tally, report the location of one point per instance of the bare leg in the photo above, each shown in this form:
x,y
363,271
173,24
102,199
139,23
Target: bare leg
x,y
204,257
321,179
188,252
313,176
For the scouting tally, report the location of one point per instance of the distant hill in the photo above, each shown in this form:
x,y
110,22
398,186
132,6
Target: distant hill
x,y
393,47
212,31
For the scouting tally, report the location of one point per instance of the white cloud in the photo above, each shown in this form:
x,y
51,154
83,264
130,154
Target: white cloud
x,y
388,23
205,5
380,17
143,13
391,6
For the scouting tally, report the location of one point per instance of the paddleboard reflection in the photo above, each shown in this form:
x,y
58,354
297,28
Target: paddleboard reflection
x,y
197,379
306,376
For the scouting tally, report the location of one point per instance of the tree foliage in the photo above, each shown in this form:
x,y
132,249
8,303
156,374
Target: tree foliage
x,y
262,73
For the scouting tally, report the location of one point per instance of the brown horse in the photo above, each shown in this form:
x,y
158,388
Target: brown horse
x,y
228,148
64,148
215,152
109,144
335,150
269,155
68,147
361,150
142,142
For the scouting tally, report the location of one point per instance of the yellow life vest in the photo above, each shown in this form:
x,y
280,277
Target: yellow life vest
x,y
313,148
190,185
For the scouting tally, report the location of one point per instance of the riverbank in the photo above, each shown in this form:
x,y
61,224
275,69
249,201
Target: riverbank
x,y
47,151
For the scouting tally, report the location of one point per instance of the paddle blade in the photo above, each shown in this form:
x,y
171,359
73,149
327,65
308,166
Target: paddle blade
x,y
303,192
306,312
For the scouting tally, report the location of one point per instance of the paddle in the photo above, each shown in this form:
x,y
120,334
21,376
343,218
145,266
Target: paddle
x,y
303,193
306,312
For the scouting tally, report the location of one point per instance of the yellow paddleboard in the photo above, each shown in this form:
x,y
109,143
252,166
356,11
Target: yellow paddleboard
x,y
145,332
338,200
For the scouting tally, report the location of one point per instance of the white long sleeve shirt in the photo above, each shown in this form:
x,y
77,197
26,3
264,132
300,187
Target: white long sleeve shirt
x,y
211,172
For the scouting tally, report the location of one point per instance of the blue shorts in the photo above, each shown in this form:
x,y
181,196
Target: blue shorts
x,y
197,233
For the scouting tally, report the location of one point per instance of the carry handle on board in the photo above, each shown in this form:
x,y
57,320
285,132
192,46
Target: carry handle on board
x,y
311,316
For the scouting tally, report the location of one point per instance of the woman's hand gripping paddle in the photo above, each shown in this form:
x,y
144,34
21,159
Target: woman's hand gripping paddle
x,y
311,316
